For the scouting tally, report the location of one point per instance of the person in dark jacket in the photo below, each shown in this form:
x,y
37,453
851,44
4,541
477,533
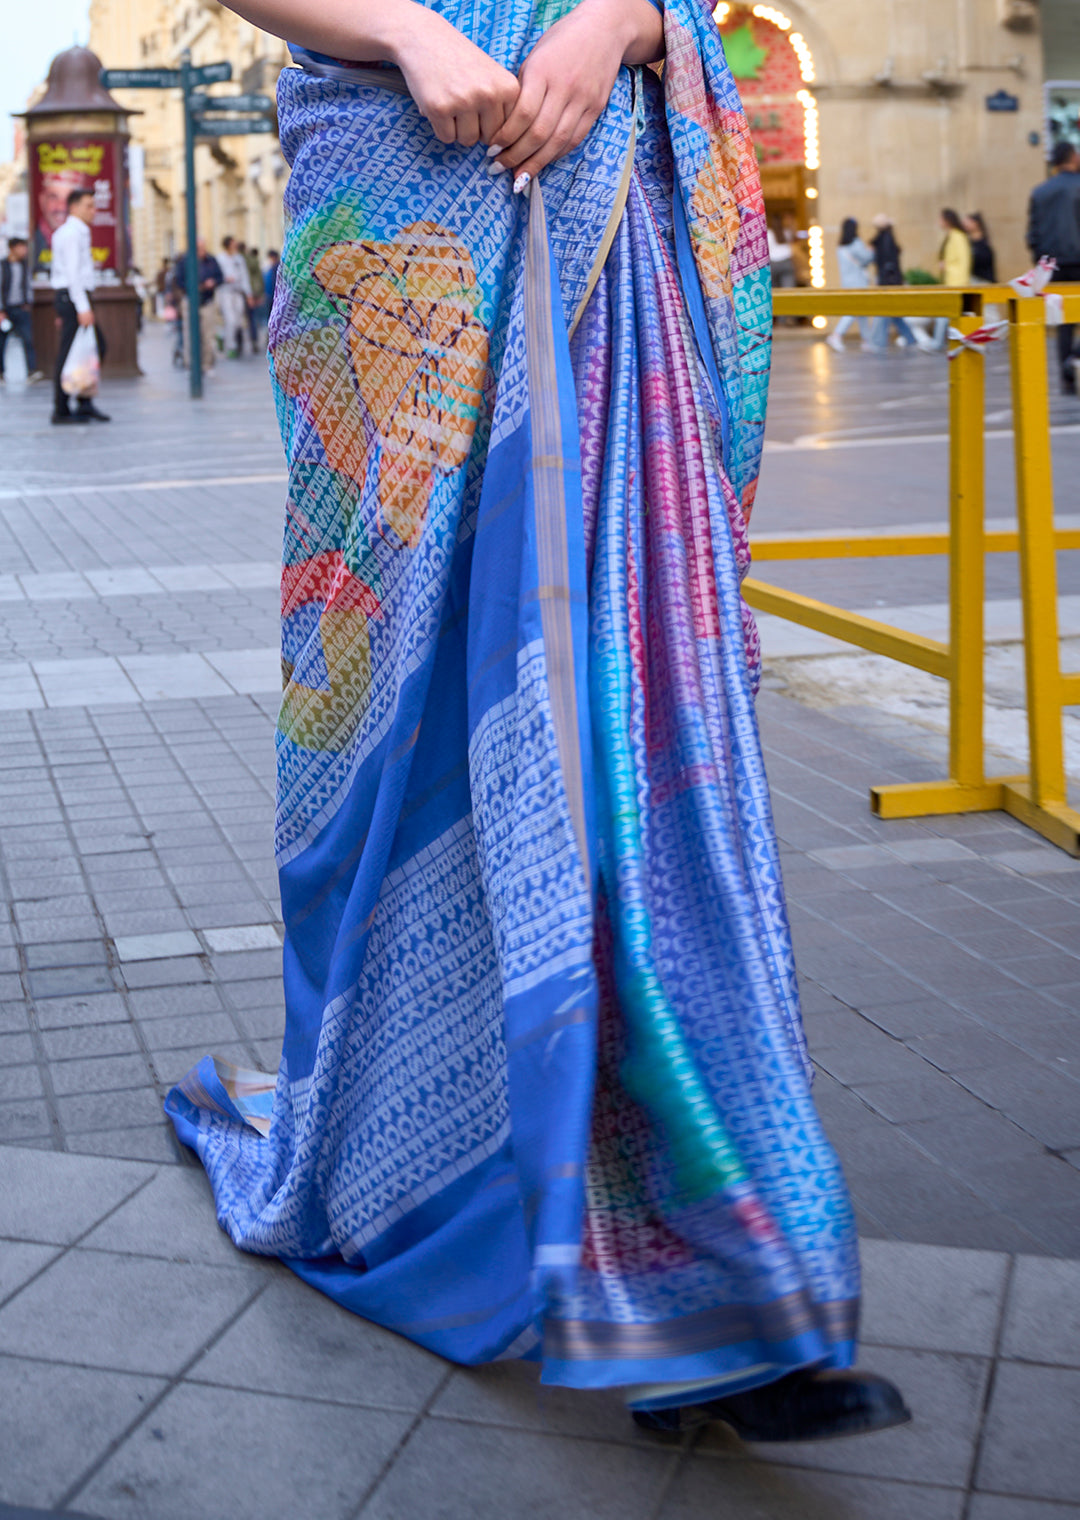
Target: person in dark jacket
x,y
983,261
889,272
16,311
1054,232
210,277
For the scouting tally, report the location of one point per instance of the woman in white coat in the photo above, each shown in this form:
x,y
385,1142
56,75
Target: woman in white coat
x,y
233,296
855,259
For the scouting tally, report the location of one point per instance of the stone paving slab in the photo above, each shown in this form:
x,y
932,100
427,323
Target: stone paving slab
x,y
147,1369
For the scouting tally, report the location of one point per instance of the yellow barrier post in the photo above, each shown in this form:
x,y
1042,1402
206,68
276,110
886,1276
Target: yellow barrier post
x,y
966,788
1040,801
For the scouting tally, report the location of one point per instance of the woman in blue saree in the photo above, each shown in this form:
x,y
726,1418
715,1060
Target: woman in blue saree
x,y
544,1090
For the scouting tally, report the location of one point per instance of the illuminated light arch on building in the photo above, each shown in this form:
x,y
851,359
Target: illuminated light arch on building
x,y
811,119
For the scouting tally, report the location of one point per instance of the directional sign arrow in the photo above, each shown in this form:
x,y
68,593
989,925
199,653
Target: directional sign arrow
x,y
211,73
234,128
203,103
140,79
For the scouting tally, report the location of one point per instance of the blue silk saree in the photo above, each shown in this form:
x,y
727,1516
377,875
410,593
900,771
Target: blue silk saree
x,y
544,1090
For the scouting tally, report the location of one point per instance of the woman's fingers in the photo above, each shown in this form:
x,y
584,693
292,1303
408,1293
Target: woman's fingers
x,y
521,119
467,129
492,119
531,141
571,129
442,124
455,85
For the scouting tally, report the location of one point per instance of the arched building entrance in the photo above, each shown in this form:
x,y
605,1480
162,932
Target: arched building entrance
x,y
773,66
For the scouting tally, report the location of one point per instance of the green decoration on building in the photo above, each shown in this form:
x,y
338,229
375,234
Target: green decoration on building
x,y
744,56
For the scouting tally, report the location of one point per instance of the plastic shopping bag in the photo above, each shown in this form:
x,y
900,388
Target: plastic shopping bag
x,y
82,367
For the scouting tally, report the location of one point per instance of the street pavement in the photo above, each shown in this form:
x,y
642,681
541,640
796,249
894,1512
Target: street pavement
x,y
153,1371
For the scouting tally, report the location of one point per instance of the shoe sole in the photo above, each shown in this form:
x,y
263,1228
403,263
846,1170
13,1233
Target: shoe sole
x,y
860,1423
857,1424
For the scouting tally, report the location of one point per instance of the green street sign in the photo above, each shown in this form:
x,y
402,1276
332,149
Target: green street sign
x,y
201,104
236,127
211,73
140,79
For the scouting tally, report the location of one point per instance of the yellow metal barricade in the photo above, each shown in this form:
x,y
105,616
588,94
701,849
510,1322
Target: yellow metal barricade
x,y
1038,800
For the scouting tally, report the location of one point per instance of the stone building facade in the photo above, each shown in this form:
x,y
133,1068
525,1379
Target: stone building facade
x,y
239,179
860,106
908,106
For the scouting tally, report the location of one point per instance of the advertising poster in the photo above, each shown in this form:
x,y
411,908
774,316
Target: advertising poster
x,y
62,164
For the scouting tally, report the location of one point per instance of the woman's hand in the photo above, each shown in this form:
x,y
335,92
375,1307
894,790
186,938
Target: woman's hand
x,y
464,94
567,80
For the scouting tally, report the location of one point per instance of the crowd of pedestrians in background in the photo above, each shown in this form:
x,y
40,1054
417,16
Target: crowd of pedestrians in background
x,y
965,258
236,291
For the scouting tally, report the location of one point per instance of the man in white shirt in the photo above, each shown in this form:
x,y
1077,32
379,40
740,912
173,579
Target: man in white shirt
x,y
72,278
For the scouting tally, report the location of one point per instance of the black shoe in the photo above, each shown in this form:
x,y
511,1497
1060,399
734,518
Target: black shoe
x,y
804,1406
91,414
63,417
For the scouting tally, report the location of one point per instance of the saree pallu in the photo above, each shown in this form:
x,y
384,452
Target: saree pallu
x,y
544,1090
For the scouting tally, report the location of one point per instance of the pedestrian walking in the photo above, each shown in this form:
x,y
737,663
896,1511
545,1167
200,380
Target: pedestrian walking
x,y
164,282
983,258
1053,231
16,312
269,279
255,286
954,262
209,281
854,258
890,272
72,276
781,264
233,295
544,1090
137,280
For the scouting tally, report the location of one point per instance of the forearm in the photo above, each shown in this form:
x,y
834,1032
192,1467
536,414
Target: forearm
x,y
638,24
371,30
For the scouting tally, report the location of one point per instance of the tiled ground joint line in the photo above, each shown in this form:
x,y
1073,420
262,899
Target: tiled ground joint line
x,y
88,488
138,580
133,679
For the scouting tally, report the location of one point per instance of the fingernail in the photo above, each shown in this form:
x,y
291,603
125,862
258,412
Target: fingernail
x,y
494,169
495,150
521,183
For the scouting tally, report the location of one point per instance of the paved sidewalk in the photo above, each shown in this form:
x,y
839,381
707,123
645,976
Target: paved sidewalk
x,y
139,928
151,1372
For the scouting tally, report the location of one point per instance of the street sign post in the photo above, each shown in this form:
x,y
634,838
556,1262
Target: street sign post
x,y
191,260
208,73
140,79
202,103
204,116
230,126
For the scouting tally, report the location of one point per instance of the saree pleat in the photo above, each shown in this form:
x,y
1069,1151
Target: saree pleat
x,y
544,1090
